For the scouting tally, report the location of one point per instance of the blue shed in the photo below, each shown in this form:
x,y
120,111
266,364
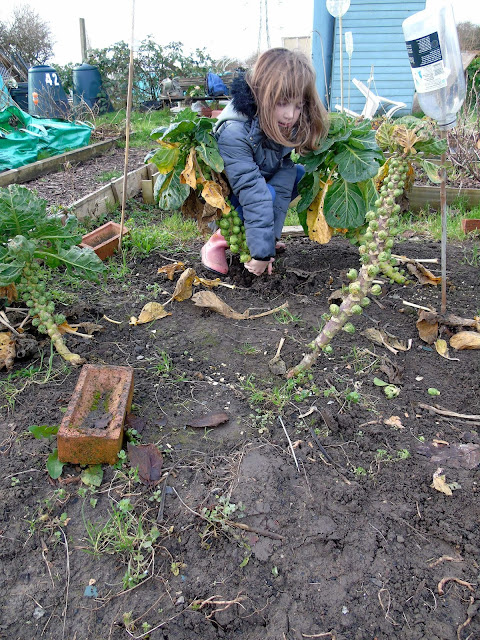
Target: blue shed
x,y
379,58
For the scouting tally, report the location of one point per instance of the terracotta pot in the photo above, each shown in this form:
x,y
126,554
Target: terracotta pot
x,y
470,224
104,240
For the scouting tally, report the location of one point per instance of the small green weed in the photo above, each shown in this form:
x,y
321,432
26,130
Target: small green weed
x,y
284,316
217,518
247,349
106,176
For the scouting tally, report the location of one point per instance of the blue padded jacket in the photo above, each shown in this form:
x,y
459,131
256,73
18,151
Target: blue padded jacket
x,y
251,162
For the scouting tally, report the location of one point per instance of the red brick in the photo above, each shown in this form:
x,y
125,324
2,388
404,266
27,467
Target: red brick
x,y
79,443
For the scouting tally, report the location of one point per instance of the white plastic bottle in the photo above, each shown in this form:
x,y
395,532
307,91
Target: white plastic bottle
x,y
436,62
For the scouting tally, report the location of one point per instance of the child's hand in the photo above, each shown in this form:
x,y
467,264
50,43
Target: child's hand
x,y
257,267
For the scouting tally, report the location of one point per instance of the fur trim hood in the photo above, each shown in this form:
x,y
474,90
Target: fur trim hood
x,y
242,106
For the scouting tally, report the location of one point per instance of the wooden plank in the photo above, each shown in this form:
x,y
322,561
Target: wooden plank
x,y
109,196
42,167
293,231
422,196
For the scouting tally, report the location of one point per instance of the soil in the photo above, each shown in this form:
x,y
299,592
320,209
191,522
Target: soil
x,y
345,538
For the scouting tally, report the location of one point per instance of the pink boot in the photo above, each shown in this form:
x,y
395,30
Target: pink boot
x,y
213,254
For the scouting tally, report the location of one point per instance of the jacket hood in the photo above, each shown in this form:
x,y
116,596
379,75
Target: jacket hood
x,y
242,106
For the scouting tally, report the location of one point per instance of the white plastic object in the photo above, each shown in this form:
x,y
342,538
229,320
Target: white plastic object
x,y
372,103
337,8
436,62
349,43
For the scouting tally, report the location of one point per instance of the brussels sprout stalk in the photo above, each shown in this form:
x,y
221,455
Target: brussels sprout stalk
x,y
375,246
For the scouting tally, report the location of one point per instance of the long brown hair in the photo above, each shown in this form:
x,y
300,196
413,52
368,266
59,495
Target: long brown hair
x,y
281,75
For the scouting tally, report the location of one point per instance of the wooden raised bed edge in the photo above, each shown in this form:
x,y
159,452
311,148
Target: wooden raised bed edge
x,y
420,197
41,167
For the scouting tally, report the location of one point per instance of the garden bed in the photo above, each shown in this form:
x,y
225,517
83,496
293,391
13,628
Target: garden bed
x,y
345,536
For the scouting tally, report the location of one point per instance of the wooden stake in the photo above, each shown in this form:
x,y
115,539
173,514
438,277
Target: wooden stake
x,y
127,129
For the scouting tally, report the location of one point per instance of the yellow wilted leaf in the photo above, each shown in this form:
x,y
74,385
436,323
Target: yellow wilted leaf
x,y
442,349
9,292
7,350
166,161
318,228
406,138
211,301
212,193
392,343
188,175
465,340
207,282
423,275
183,290
151,311
427,325
170,269
440,484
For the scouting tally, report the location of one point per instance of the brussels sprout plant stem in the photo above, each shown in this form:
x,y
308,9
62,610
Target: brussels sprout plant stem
x,y
375,256
32,288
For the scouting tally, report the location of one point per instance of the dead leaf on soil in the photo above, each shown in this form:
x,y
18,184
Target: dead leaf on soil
x,y
170,269
442,350
89,327
389,341
440,484
212,419
9,292
7,350
148,459
427,325
209,300
394,421
464,455
183,289
423,275
206,282
151,311
465,340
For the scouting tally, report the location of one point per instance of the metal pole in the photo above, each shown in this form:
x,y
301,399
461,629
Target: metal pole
x,y
341,60
83,40
443,209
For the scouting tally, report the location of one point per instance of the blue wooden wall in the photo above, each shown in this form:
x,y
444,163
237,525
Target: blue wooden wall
x,y
378,41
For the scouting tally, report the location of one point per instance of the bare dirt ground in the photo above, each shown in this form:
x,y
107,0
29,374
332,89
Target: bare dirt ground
x,y
343,536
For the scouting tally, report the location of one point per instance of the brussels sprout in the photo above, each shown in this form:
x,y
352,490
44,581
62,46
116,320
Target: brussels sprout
x,y
334,309
391,391
376,290
349,328
373,270
356,309
354,288
365,302
352,274
327,348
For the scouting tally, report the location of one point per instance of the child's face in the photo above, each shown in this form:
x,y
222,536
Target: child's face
x,y
287,114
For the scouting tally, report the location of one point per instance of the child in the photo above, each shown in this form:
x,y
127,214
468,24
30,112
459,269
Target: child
x,y
274,109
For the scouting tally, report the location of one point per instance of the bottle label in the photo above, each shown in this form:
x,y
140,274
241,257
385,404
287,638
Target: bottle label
x,y
426,60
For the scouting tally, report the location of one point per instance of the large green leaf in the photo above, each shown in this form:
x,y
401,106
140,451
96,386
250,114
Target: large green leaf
x,y
308,188
20,209
211,157
21,248
165,158
356,165
173,194
77,259
344,205
54,466
431,169
370,194
52,230
10,272
177,131
364,140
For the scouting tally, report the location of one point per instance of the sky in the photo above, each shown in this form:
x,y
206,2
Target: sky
x,y
236,31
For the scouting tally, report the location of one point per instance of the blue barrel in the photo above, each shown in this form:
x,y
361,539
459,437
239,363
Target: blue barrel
x,y
46,97
20,95
88,89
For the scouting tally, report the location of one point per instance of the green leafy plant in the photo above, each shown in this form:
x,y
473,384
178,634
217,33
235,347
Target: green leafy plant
x,y
190,166
30,241
54,466
407,142
338,179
